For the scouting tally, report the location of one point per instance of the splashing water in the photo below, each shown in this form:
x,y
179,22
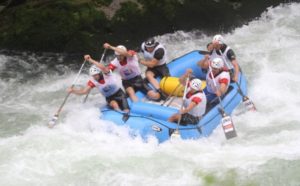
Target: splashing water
x,y
83,150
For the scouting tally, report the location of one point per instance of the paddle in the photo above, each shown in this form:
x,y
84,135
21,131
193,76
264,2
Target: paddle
x,y
53,120
172,94
226,121
176,133
173,98
246,100
101,61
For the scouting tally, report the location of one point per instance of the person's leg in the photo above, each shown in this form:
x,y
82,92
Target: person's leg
x,y
114,104
174,118
130,91
162,71
153,95
151,78
143,86
123,101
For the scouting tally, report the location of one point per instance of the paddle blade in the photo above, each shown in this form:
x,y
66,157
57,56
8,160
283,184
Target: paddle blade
x,y
228,127
249,104
125,117
52,122
175,134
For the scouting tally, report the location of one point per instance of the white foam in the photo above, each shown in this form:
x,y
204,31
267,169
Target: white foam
x,y
83,150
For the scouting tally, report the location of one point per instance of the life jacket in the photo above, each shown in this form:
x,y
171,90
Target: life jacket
x,y
129,68
221,77
109,85
150,56
199,109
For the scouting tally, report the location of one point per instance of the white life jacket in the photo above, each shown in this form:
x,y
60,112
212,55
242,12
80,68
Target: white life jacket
x,y
199,109
211,88
150,56
109,87
130,70
227,61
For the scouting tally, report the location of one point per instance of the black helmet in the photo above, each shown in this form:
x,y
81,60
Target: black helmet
x,y
150,42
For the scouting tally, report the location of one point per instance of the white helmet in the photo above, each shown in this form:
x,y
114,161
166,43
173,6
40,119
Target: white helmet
x,y
120,47
218,38
217,63
196,84
94,70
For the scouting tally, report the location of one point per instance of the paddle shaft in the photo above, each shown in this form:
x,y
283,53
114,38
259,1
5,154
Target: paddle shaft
x,y
184,93
171,94
73,84
227,124
101,60
247,102
173,98
215,84
238,85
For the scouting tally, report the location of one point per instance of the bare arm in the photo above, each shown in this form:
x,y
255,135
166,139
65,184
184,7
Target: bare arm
x,y
236,70
204,63
189,108
210,47
99,65
149,63
81,91
116,49
187,74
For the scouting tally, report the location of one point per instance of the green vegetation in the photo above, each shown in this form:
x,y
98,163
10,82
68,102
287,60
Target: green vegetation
x,y
56,26
77,26
65,25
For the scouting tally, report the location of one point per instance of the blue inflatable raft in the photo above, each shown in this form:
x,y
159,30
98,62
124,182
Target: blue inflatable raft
x,y
150,119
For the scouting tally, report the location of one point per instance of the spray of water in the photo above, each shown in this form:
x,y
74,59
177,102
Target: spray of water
x,y
83,150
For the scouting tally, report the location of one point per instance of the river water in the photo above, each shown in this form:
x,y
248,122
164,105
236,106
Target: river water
x,y
83,150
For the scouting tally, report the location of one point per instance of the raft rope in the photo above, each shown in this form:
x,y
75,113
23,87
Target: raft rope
x,y
197,127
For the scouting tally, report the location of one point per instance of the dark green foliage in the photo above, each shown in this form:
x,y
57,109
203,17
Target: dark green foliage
x,y
55,26
79,26
103,2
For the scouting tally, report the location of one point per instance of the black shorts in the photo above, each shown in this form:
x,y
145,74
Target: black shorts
x,y
159,71
189,119
137,83
120,98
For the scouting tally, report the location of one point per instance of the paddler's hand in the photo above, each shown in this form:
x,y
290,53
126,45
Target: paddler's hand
x,y
182,111
218,93
210,47
70,90
87,57
107,46
189,72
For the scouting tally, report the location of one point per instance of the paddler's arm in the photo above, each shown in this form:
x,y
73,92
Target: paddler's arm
x,y
204,63
149,63
232,57
187,74
189,108
94,62
81,91
236,70
119,50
